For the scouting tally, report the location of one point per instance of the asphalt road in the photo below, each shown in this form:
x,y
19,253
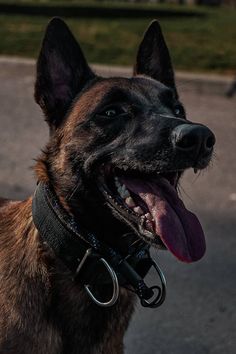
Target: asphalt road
x,y
199,315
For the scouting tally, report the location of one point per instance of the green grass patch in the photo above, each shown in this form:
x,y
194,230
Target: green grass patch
x,y
196,43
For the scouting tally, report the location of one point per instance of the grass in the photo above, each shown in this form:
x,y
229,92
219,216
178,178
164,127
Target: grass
x,y
196,44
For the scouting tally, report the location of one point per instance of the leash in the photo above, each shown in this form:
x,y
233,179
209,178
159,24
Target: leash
x,y
84,254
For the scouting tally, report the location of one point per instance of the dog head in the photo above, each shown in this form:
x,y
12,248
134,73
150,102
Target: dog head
x,y
118,146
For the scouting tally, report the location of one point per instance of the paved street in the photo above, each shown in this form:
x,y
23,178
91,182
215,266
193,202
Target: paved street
x,y
199,315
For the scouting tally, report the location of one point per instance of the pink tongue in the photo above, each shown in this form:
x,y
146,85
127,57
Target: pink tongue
x,y
178,228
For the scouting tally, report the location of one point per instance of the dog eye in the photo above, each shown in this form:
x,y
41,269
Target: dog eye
x,y
179,111
112,112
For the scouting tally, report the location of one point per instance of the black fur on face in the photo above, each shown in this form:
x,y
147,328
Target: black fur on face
x,y
103,129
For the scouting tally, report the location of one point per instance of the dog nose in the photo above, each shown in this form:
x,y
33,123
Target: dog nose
x,y
193,138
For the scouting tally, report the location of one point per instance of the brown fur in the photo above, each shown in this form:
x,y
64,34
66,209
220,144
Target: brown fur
x,y
37,293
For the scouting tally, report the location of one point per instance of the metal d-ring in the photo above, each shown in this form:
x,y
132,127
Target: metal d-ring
x,y
115,284
161,294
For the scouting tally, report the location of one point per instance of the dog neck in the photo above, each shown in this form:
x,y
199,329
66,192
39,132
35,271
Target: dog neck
x,y
39,281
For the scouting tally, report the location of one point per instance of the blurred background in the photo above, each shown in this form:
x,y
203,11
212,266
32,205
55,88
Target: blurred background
x,y
199,314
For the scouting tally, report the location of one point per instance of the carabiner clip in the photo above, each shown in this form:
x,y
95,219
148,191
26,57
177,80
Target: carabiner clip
x,y
161,290
112,274
115,284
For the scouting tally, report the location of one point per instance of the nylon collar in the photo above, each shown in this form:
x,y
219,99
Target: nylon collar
x,y
83,253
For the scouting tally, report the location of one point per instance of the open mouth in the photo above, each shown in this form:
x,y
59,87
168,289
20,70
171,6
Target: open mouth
x,y
151,205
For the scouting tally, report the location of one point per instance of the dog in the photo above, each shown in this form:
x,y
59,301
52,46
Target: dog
x,y
73,257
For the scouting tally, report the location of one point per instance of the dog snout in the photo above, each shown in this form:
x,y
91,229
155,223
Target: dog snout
x,y
193,139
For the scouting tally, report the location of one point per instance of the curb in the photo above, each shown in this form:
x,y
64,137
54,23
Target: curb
x,y
198,83
66,9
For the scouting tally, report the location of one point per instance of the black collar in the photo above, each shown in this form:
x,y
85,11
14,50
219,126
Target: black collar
x,y
84,254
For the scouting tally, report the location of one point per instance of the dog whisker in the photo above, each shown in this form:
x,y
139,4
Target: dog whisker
x,y
127,235
136,242
172,117
182,191
69,196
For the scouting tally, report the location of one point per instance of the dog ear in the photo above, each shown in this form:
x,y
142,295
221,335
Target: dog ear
x,y
62,71
153,58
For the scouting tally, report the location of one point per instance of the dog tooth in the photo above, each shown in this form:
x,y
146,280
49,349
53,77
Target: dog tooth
x,y
138,210
129,201
123,187
149,226
148,216
125,192
119,189
122,194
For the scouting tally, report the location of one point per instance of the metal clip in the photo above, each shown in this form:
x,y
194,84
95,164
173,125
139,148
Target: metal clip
x,y
113,276
161,290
